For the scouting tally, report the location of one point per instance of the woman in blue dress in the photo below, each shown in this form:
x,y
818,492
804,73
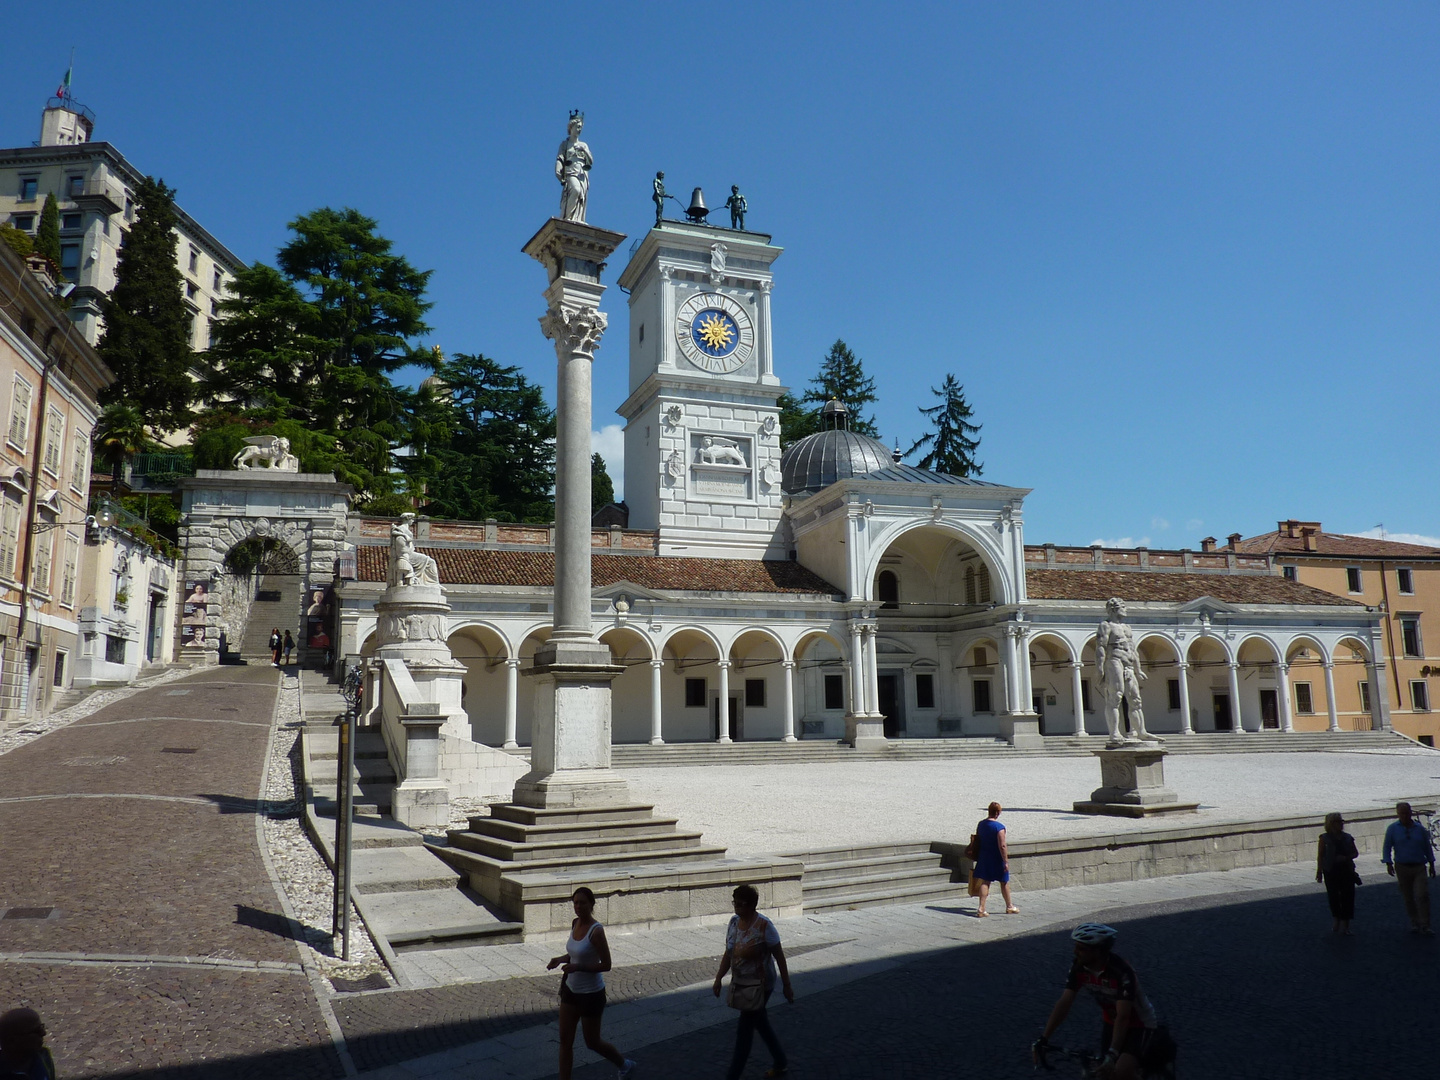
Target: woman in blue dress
x,y
994,862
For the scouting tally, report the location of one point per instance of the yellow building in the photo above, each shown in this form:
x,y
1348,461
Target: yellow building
x,y
1401,580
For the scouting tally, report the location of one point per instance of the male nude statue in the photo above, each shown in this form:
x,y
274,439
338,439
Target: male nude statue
x,y
1117,661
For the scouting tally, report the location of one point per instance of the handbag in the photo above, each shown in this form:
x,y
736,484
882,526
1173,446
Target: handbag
x,y
972,849
748,993
974,888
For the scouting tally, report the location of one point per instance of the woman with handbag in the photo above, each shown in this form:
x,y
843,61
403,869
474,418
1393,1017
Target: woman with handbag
x,y
993,863
1335,865
756,962
582,986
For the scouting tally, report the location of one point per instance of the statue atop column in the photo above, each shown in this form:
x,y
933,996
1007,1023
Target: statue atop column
x,y
408,566
572,169
658,196
1117,662
737,206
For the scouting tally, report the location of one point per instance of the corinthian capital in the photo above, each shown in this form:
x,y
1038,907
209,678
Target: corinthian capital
x,y
574,330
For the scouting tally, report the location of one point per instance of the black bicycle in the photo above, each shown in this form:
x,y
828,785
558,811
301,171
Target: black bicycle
x,y
1088,1062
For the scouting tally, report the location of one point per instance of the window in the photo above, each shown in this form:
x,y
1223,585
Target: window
x,y
40,561
982,657
24,222
754,693
114,649
54,442
19,428
219,284
982,695
887,589
982,584
1352,579
834,691
29,187
9,536
1410,641
1364,696
969,585
191,290
1304,703
70,262
60,656
1420,695
641,335
194,261
77,185
924,691
129,209
215,307
72,221
1426,740
1407,580
1085,696
1292,573
1173,685
68,571
79,461
694,693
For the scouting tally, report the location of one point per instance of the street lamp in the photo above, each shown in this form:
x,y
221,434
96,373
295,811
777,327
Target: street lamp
x,y
352,689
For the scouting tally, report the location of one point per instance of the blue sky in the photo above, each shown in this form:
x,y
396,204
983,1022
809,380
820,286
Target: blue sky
x,y
1184,258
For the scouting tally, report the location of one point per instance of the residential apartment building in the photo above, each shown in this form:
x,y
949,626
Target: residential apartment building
x,y
95,187
50,379
1400,580
128,594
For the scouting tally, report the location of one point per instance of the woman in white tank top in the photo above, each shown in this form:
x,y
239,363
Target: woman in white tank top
x,y
582,988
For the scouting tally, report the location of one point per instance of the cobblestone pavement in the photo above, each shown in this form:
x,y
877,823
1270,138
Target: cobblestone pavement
x,y
166,948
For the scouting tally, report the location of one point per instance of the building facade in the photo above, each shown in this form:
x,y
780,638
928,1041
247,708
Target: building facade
x,y
1402,581
50,379
95,187
127,601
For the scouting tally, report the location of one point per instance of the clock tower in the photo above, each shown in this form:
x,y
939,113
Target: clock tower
x,y
702,428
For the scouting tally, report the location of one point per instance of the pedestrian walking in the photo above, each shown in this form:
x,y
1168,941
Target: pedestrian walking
x,y
289,647
582,986
1335,865
23,1052
993,864
1407,853
756,963
276,641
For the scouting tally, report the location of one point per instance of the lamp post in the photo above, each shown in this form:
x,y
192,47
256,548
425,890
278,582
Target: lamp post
x,y
351,689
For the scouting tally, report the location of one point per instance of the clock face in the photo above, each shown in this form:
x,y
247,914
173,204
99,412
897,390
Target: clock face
x,y
715,333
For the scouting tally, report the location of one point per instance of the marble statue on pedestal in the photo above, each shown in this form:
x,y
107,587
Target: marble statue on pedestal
x,y
572,169
1117,662
274,450
407,565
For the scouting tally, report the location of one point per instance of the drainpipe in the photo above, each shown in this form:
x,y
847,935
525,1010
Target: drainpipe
x,y
1390,635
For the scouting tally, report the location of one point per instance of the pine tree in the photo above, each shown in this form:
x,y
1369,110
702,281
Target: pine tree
x,y
796,421
147,329
47,236
842,376
602,488
951,446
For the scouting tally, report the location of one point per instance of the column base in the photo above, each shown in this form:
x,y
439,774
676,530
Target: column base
x,y
512,745
1132,785
789,738
570,750
1022,730
571,788
864,731
657,741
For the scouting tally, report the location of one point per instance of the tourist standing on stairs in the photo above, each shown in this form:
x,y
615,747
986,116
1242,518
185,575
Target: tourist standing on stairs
x,y
1406,854
289,647
582,986
994,862
275,643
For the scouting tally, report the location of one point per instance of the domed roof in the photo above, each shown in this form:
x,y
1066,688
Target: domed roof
x,y
818,460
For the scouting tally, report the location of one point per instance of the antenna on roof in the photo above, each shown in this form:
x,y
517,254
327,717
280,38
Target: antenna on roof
x,y
1381,527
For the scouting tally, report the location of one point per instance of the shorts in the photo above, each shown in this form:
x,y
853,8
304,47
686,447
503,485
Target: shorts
x,y
1151,1047
588,1004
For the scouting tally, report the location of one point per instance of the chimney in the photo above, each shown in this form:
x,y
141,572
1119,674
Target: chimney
x,y
1288,529
1234,540
1208,544
1312,539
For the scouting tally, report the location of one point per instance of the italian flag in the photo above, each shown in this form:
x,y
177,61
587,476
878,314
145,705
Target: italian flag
x,y
64,90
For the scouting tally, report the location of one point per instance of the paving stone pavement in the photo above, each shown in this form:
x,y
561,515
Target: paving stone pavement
x,y
136,825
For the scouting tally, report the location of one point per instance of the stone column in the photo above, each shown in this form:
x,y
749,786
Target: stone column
x,y
859,698
570,747
1330,695
656,737
1237,716
1185,725
512,699
767,359
724,710
1379,702
1027,677
1078,691
872,672
789,666
1012,689
1282,670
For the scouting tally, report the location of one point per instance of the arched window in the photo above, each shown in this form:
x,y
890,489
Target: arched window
x,y
969,585
983,584
887,589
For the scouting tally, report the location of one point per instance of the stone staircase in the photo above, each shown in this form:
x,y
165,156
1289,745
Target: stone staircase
x,y
277,603
845,878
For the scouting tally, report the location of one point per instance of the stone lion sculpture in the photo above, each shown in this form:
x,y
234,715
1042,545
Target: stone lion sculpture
x,y
274,450
715,451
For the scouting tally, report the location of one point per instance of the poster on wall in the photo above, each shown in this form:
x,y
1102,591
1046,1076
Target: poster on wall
x,y
194,614
317,617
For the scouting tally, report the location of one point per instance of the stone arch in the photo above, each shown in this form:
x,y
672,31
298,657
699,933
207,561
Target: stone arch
x,y
484,650
1301,642
757,654
630,703
691,654
977,538
819,655
1355,685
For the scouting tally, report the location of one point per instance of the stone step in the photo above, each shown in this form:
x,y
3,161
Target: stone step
x,y
529,834
325,744
851,854
370,799
817,893
816,872
400,869
486,868
426,918
592,844
904,895
367,770
534,815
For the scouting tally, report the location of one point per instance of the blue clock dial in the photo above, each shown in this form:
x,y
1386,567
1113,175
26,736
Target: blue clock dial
x,y
714,332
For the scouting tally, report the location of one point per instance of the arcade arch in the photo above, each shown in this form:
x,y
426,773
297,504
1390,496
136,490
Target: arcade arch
x,y
489,689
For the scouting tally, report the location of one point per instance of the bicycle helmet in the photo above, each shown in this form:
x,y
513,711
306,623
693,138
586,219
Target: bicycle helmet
x,y
1097,935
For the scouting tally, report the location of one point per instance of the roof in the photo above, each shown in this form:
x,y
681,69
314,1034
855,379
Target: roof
x,y
473,566
1172,588
1338,546
910,474
819,460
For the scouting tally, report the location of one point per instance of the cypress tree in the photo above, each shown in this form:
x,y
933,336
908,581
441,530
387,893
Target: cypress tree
x,y
47,237
602,488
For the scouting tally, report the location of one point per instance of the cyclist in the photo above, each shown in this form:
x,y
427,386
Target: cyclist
x,y
1133,1041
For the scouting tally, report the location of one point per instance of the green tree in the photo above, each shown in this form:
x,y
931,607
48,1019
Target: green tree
x,y
147,329
842,376
18,242
119,433
47,236
951,445
602,488
796,421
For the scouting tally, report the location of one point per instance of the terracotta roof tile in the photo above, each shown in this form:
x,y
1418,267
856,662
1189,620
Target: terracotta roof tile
x,y
1171,588
1339,546
477,566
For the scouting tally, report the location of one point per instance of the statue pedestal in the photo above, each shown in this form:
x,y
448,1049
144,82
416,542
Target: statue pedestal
x,y
864,731
1022,730
1133,784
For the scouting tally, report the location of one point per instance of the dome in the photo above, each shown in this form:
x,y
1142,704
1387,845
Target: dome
x,y
818,460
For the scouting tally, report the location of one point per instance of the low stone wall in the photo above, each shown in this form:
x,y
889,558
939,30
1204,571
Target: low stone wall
x,y
1179,849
